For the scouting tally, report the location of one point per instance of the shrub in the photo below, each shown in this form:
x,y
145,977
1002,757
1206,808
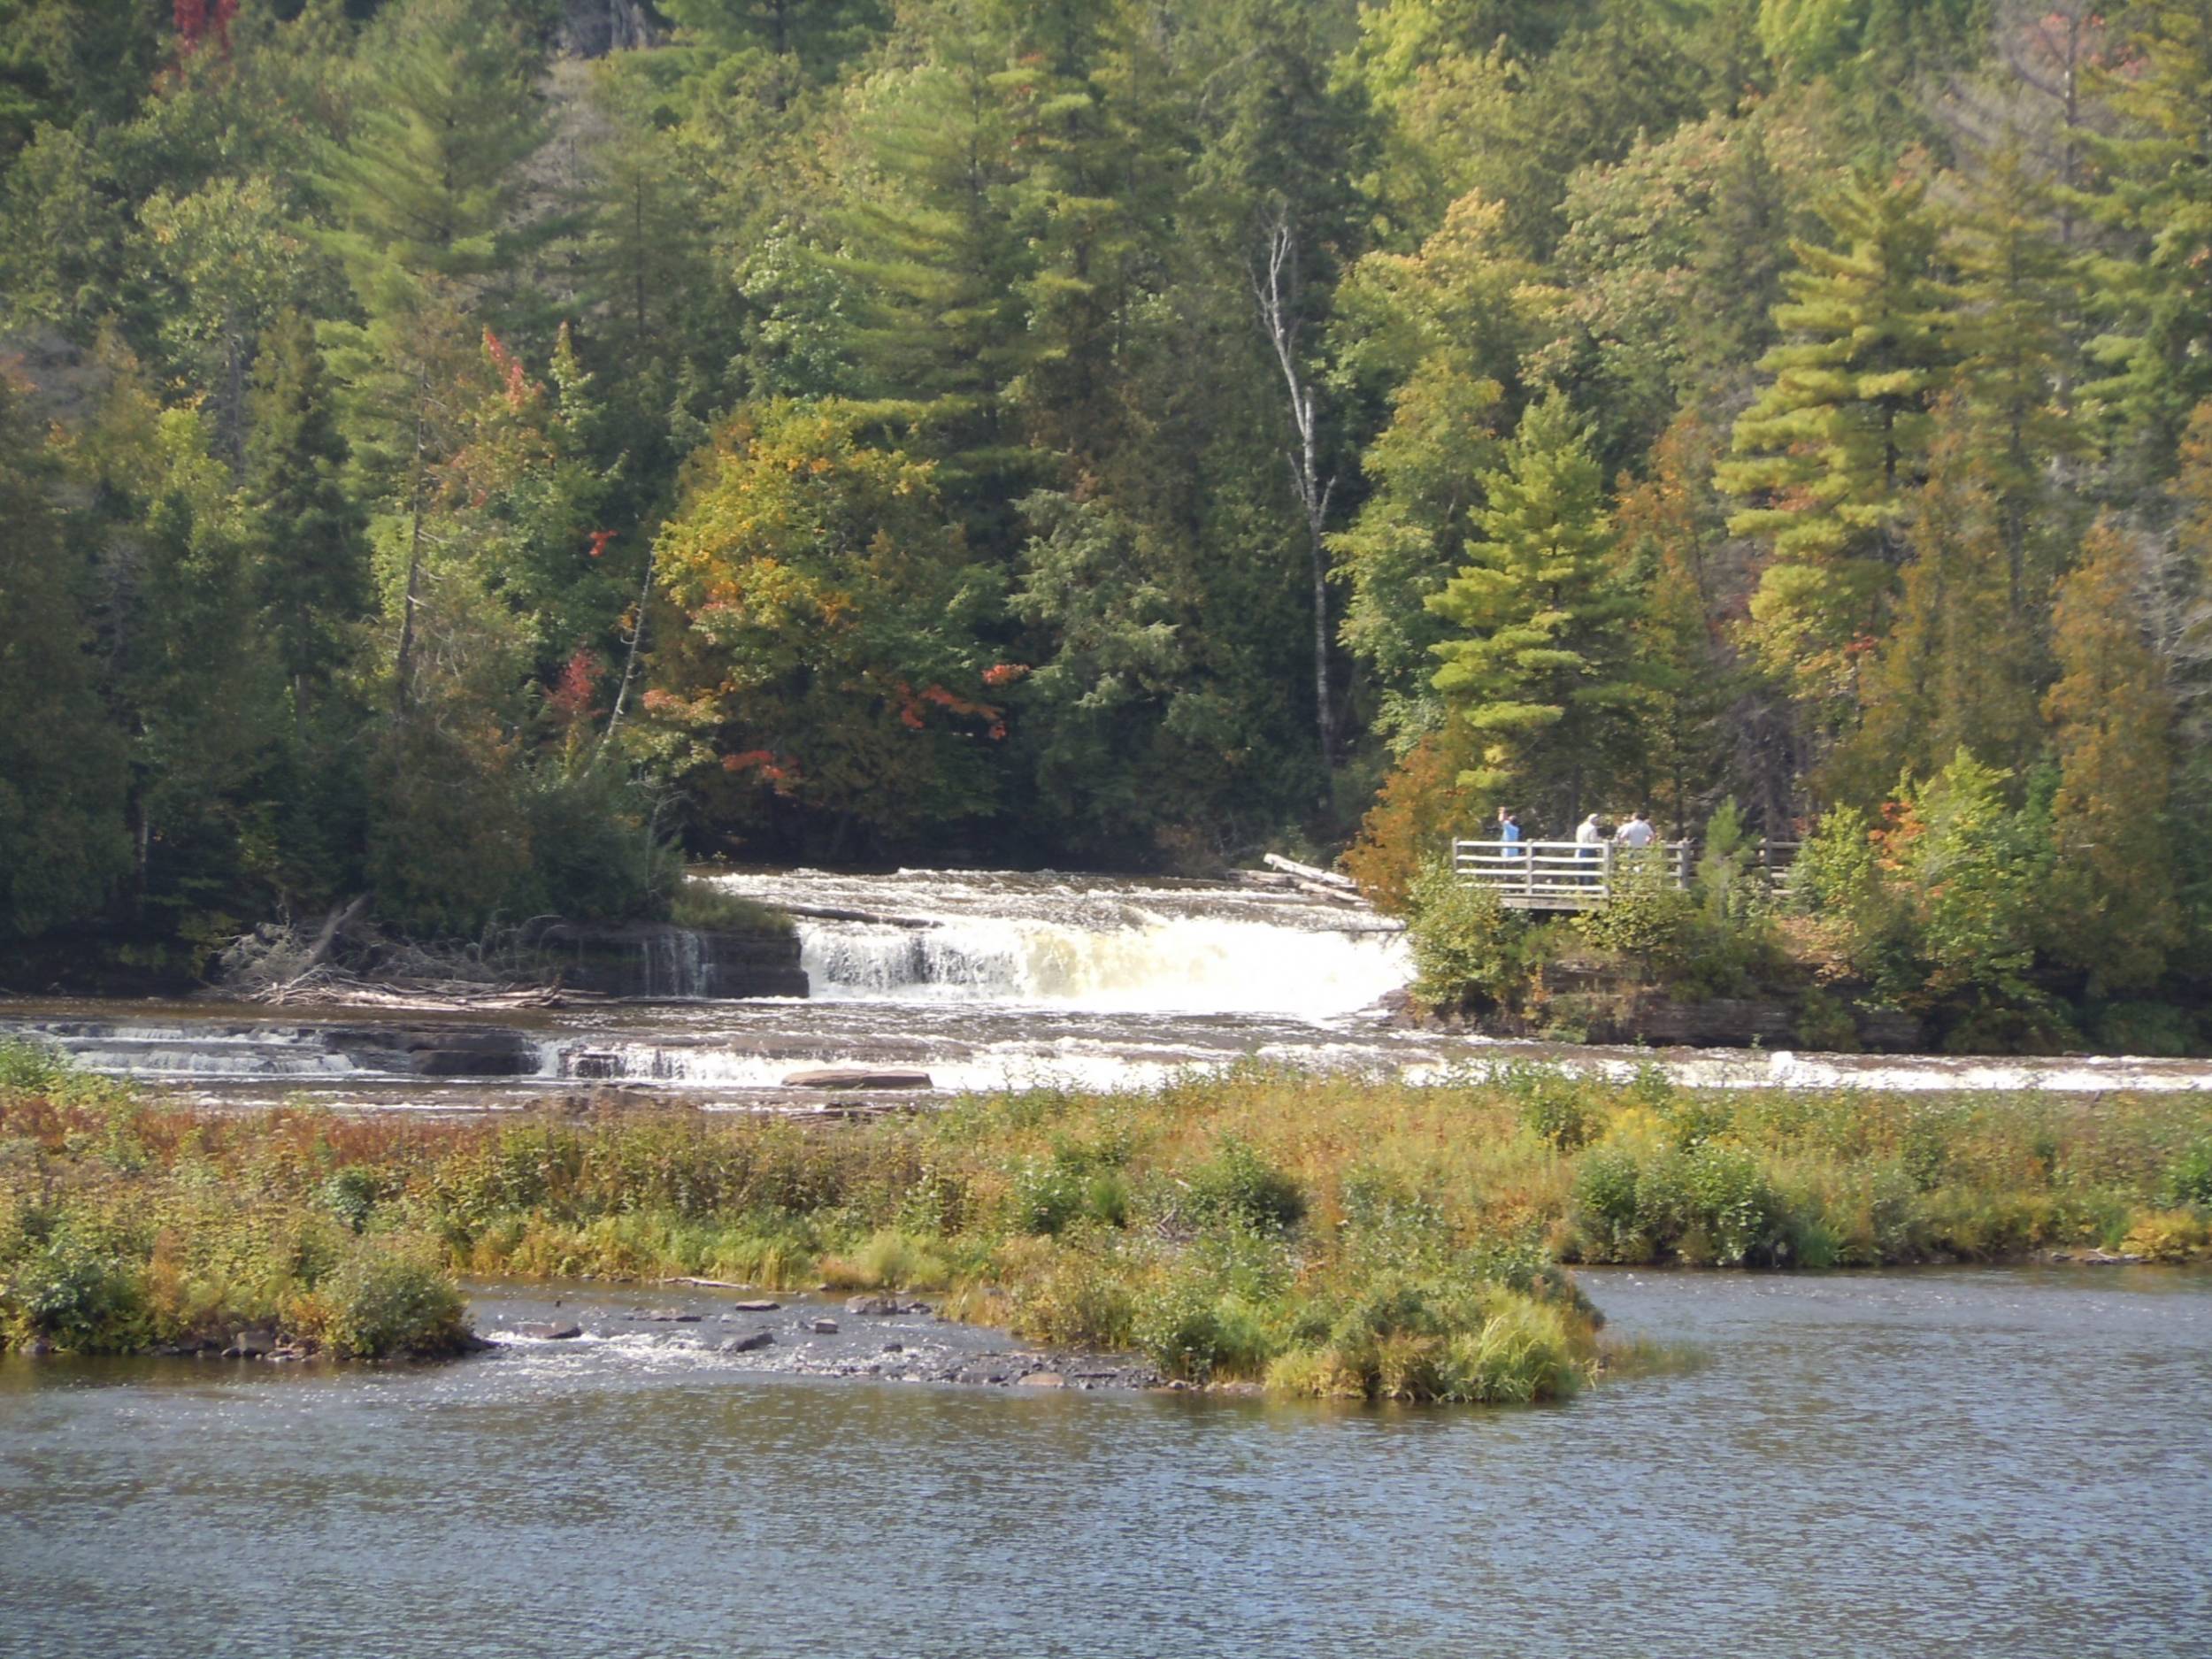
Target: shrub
x,y
34,1067
1240,1187
382,1303
1555,1107
78,1296
1646,918
2188,1179
1603,1209
350,1196
1051,1193
706,908
1466,945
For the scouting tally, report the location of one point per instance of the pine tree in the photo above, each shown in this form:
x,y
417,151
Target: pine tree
x,y
2015,287
63,844
310,559
1839,436
425,182
1669,533
1957,670
1742,256
2111,717
1541,669
2156,171
941,336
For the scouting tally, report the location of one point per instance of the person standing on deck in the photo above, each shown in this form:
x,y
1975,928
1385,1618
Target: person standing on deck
x,y
1636,832
1589,837
1510,831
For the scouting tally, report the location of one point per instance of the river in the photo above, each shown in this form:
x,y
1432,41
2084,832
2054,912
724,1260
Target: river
x,y
1000,980
2011,1462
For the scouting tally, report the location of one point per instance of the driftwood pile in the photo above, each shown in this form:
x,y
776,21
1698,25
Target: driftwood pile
x,y
352,961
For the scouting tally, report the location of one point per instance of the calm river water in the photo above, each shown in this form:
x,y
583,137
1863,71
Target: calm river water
x,y
1942,1463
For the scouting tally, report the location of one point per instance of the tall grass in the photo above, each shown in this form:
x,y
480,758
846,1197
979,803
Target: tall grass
x,y
1325,1235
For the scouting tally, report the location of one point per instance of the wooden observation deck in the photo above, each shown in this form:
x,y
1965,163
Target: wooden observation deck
x,y
1575,876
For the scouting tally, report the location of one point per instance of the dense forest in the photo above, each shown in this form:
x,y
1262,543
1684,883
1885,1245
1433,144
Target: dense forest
x,y
467,452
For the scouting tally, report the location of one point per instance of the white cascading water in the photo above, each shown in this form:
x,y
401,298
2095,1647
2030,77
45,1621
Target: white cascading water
x,y
1086,942
1187,965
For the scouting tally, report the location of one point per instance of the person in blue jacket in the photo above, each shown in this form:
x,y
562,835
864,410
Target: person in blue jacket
x,y
1510,831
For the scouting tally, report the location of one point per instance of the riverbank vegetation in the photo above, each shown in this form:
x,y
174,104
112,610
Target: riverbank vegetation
x,y
1322,1236
454,449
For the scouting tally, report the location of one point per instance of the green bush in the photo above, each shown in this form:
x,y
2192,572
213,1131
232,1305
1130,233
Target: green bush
x,y
1240,1187
1466,946
1604,1206
1072,1183
69,1291
1555,1107
1646,919
350,1196
383,1303
2188,1179
34,1067
707,909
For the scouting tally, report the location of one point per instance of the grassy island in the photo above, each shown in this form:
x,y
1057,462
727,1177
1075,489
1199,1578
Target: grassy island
x,y
1333,1237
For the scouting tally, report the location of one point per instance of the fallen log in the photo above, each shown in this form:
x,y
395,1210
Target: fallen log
x,y
1311,872
834,913
857,1076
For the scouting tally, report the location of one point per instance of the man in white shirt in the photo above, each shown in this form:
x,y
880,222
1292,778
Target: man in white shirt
x,y
1637,831
1589,836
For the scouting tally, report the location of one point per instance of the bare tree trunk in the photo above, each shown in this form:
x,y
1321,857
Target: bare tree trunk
x,y
405,664
629,663
1276,291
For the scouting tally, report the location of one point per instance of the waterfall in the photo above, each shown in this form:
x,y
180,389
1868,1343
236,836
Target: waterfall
x,y
1190,963
674,962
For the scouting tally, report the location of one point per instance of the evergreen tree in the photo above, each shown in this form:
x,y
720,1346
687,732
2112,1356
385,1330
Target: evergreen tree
x,y
1838,435
1541,668
1670,526
2156,175
425,182
1741,259
310,560
942,335
63,844
199,689
2015,287
1956,671
2110,714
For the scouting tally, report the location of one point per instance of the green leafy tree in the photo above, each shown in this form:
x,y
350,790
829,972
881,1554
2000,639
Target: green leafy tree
x,y
1539,661
827,656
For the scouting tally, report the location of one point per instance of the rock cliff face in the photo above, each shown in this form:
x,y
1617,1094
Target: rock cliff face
x,y
661,959
1595,1007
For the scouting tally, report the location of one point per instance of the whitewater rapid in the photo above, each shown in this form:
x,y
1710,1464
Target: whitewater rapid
x,y
985,981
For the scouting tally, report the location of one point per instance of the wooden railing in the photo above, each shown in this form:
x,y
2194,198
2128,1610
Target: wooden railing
x,y
1584,876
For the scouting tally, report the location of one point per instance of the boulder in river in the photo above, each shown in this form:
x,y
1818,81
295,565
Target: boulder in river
x,y
250,1345
856,1076
874,1307
550,1332
748,1344
759,1305
667,1316
824,1327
